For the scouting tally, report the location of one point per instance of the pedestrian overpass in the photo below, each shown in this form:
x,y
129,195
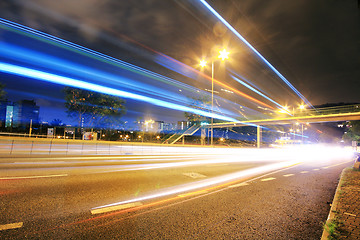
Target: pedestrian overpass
x,y
330,114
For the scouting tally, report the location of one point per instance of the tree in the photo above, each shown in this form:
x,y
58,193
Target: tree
x,y
353,131
201,103
95,109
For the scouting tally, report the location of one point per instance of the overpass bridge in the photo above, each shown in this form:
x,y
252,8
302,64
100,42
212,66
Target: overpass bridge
x,y
330,114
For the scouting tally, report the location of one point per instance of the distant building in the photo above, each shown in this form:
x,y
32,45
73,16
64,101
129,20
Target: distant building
x,y
26,111
3,106
9,118
183,125
168,127
159,126
18,114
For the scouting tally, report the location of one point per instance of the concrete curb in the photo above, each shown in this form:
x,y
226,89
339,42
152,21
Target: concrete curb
x,y
333,208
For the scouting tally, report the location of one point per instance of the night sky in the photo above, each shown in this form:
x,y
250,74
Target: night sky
x,y
314,44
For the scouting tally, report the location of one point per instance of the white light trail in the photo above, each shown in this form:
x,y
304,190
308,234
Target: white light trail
x,y
254,50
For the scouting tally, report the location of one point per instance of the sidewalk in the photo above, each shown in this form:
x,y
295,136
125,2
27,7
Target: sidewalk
x,y
344,217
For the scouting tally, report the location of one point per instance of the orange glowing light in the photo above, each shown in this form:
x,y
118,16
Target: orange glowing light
x,y
224,54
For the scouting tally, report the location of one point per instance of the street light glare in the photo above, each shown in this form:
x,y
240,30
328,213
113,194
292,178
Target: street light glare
x,y
302,106
203,63
224,54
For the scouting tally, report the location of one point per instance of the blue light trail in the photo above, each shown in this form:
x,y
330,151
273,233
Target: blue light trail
x,y
255,51
53,78
65,68
82,50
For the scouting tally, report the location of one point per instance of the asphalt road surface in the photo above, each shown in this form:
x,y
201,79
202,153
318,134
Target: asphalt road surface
x,y
268,194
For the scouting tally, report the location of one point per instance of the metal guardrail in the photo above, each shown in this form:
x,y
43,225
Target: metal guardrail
x,y
12,146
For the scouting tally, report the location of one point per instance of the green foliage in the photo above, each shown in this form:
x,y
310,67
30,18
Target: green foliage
x,y
353,131
96,109
334,228
331,228
201,103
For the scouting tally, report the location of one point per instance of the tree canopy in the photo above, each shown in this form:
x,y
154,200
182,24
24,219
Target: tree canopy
x,y
353,131
201,103
93,108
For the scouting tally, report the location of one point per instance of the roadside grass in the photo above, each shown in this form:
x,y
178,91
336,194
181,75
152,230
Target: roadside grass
x,y
356,169
333,228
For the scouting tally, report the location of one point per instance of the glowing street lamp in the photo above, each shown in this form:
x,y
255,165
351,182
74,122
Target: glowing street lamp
x,y
223,54
203,63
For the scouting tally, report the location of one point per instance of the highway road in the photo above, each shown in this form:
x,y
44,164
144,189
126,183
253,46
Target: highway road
x,y
243,193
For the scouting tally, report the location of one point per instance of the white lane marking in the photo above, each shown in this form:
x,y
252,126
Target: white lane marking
x,y
11,226
316,169
288,175
115,208
350,214
194,175
28,177
239,185
267,179
304,172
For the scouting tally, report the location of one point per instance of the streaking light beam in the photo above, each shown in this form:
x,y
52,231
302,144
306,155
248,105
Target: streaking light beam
x,y
254,50
256,91
48,77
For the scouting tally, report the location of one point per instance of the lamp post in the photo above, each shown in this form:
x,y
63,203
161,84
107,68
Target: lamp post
x,y
223,54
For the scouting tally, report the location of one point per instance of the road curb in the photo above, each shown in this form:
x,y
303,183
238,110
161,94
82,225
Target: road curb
x,y
333,208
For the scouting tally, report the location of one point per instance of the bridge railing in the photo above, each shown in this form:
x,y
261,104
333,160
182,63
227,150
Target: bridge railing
x,y
328,110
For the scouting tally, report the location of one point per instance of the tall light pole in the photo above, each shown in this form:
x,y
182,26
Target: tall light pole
x,y
223,54
212,103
